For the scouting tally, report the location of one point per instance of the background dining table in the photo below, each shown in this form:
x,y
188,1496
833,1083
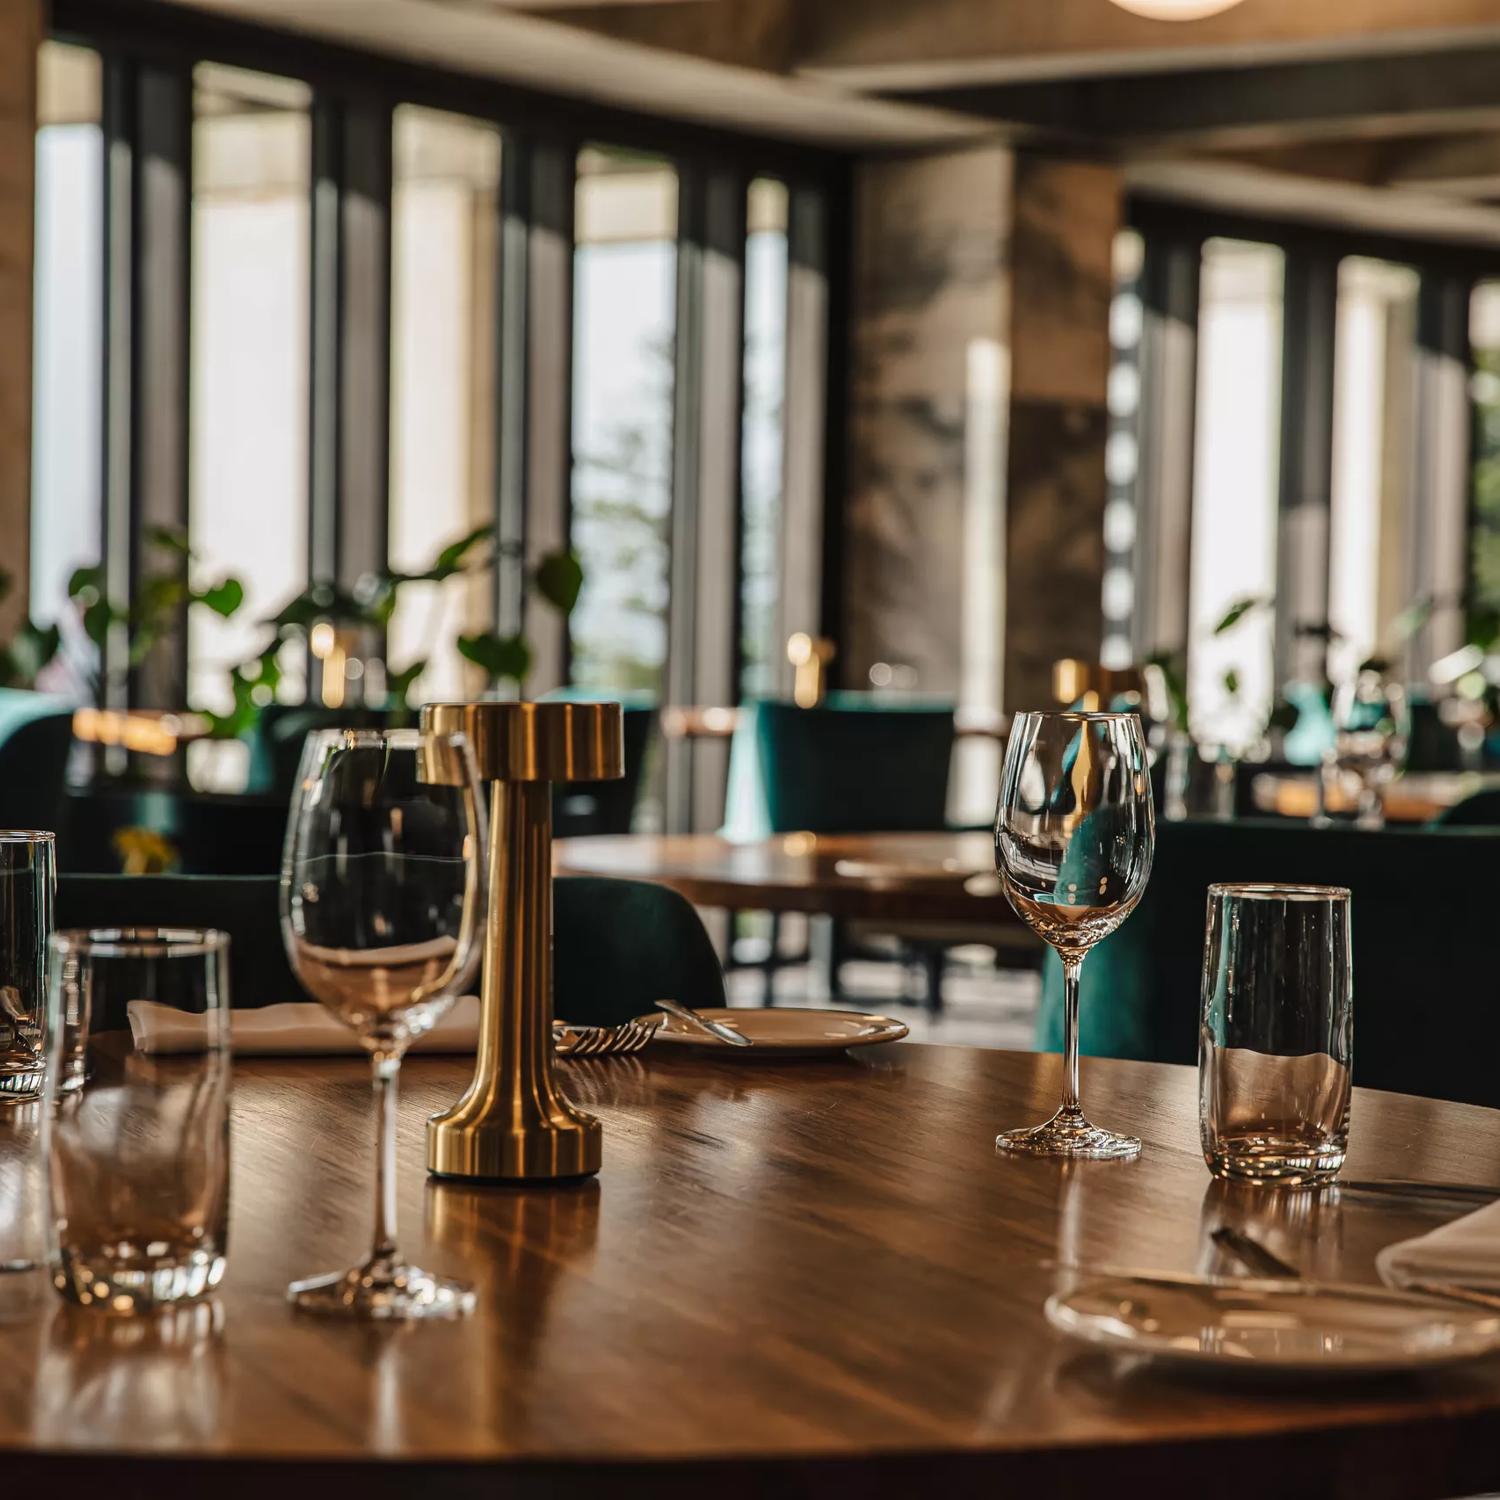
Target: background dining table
x,y
912,877
792,1279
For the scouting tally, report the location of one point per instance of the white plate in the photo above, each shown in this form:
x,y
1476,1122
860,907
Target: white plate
x,y
1285,1326
782,1032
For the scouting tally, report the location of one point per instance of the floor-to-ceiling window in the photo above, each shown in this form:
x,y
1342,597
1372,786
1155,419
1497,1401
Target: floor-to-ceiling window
x,y
248,400
1369,585
623,324
1231,677
446,180
66,456
761,650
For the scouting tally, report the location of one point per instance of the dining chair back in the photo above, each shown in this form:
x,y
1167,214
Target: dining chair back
x,y
618,945
839,768
36,732
1422,918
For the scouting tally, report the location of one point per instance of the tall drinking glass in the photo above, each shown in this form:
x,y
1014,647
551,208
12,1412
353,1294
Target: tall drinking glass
x,y
382,907
1276,1034
1074,835
139,1155
28,884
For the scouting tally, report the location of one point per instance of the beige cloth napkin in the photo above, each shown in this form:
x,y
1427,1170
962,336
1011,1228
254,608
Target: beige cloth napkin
x,y
300,1029
1465,1252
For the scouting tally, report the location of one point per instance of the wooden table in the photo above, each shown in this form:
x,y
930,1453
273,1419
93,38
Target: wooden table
x,y
1416,798
916,877
813,1279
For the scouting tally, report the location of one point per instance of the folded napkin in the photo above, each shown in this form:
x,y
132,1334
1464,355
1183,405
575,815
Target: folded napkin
x,y
1465,1252
301,1029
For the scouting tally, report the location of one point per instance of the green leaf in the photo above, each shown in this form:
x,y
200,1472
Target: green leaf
x,y
502,657
1237,612
1413,617
559,579
322,601
1232,683
97,619
169,539
398,685
88,580
160,594
223,598
452,558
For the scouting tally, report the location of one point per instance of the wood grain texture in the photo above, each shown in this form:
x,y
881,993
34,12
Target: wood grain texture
x,y
939,877
814,1278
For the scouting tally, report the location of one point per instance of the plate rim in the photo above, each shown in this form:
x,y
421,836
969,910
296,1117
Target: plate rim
x,y
1071,1325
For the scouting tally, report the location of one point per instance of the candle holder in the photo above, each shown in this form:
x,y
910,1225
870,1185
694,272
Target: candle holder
x,y
513,1124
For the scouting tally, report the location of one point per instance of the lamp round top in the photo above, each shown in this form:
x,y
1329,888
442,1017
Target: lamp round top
x,y
536,741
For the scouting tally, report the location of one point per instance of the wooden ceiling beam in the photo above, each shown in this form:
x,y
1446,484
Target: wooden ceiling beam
x,y
911,44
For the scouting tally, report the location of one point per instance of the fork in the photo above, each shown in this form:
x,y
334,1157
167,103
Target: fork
x,y
600,1041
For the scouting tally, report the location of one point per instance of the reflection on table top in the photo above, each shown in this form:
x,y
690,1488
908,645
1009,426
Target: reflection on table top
x,y
917,876
1417,797
815,1275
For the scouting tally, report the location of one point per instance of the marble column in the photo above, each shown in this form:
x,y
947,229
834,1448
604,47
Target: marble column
x,y
20,35
974,547
1064,220
930,308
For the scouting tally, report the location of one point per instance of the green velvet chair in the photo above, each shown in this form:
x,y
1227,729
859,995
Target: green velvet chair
x,y
1479,810
1423,918
36,733
618,945
846,767
861,763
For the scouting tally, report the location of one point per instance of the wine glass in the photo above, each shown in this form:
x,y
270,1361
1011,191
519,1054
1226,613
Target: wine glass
x,y
1074,834
382,905
1373,724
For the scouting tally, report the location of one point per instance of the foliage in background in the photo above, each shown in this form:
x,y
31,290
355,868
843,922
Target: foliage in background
x,y
556,577
1484,533
29,650
164,591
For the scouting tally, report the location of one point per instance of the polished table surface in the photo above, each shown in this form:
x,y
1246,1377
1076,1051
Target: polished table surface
x,y
795,1279
941,877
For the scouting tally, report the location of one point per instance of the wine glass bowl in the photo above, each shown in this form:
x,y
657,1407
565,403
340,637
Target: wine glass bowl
x,y
1074,836
382,914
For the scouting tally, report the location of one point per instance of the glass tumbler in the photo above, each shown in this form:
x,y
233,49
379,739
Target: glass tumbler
x,y
28,883
140,1146
1276,1033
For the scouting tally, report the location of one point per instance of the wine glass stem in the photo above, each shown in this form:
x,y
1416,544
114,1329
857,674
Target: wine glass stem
x,y
387,1071
1071,968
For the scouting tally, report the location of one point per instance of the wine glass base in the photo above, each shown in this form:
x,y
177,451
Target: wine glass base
x,y
382,1293
1068,1133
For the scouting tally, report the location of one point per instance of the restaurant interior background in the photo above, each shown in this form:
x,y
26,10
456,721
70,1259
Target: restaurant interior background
x,y
960,339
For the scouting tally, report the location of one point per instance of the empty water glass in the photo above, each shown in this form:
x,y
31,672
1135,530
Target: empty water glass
x,y
140,1146
1276,1034
28,882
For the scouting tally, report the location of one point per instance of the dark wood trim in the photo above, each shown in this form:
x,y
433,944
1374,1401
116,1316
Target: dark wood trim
x,y
1158,217
118,371
1167,363
325,341
552,176
160,277
157,30
837,247
703,620
1437,512
513,321
1309,309
1256,103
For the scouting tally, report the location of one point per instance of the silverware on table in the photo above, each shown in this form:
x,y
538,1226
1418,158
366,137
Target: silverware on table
x,y
1260,1261
715,1029
1255,1257
600,1041
1401,1187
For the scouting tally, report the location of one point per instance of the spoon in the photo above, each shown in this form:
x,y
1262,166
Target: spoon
x,y
716,1029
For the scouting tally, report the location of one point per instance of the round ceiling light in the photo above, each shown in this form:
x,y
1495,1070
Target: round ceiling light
x,y
1176,10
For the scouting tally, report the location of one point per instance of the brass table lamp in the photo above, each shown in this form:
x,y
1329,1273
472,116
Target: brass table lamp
x,y
512,1124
